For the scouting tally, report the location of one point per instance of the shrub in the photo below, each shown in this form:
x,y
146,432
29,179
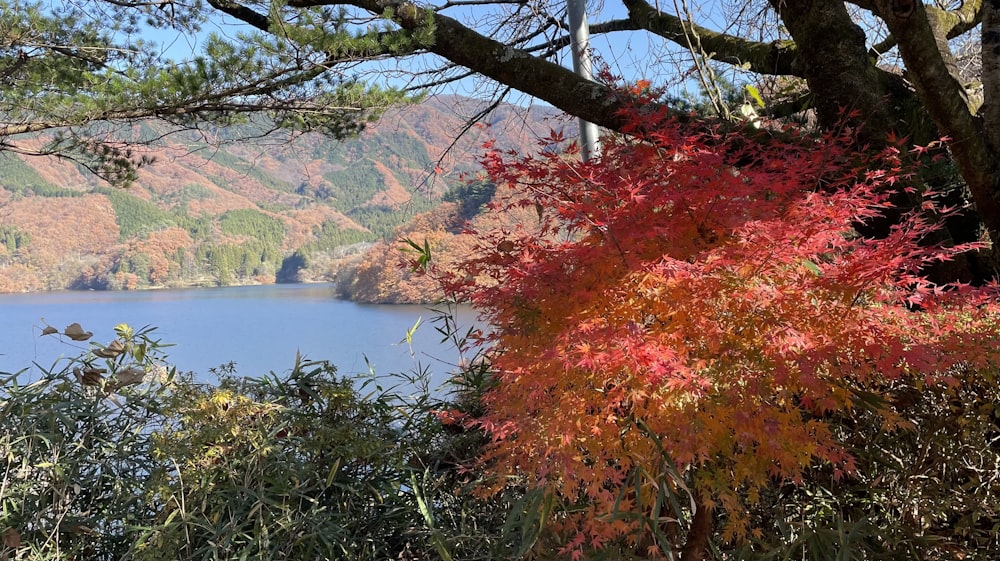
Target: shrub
x,y
75,453
114,456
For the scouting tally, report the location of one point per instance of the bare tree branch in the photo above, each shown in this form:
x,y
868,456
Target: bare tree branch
x,y
505,64
953,22
764,58
242,13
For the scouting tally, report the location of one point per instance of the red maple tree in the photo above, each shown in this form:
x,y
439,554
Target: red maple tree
x,y
688,312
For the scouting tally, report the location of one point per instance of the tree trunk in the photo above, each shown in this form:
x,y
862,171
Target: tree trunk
x,y
700,532
924,50
835,63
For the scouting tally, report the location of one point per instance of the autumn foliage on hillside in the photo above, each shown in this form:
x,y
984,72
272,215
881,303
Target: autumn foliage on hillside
x,y
169,228
383,274
687,316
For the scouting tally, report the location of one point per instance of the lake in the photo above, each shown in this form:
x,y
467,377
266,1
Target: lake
x,y
260,328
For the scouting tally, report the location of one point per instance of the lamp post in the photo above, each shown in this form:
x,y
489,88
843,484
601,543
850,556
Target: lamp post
x,y
580,44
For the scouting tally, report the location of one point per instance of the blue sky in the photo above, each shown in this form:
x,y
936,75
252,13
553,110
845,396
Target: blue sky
x,y
632,55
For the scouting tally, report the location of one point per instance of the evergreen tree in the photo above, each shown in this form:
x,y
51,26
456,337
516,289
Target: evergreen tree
x,y
86,72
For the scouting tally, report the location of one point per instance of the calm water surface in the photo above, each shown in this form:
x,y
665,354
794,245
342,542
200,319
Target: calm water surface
x,y
260,328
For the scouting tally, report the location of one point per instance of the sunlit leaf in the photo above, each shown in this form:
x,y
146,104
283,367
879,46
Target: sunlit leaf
x,y
755,94
412,331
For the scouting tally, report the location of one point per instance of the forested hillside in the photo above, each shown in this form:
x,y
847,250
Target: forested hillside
x,y
210,213
383,274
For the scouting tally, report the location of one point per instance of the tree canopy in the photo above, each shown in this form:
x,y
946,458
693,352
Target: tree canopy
x,y
892,65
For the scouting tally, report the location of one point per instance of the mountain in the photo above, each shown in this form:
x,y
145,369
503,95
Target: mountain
x,y
210,213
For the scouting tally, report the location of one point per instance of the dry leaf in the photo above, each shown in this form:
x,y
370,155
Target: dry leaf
x,y
49,330
11,538
112,350
76,333
506,246
128,377
82,529
89,376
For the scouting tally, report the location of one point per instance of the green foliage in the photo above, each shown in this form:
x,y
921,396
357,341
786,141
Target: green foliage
x,y
23,20
135,216
19,177
725,95
13,238
293,468
921,492
114,456
383,221
231,262
248,169
74,444
200,228
255,224
406,147
291,265
115,163
423,259
354,185
331,236
49,190
472,196
136,263
330,30
191,192
67,65
259,255
373,99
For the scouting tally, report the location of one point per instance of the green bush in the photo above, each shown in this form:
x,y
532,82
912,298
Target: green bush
x,y
74,444
115,456
13,238
294,468
926,485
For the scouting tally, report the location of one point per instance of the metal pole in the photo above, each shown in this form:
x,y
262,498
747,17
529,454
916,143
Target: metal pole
x,y
580,44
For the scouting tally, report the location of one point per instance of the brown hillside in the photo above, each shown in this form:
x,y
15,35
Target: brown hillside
x,y
213,213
